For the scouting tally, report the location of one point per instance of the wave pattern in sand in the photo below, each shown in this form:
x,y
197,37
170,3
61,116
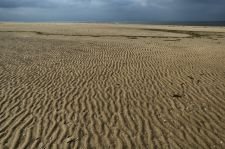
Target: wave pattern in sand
x,y
105,92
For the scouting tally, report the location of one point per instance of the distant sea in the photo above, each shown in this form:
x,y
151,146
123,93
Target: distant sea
x,y
183,23
200,23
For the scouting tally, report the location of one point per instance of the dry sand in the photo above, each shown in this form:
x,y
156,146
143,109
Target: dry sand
x,y
111,86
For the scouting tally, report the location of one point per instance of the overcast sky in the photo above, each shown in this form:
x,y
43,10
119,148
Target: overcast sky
x,y
112,10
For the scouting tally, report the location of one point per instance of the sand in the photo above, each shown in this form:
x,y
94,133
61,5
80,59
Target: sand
x,y
111,86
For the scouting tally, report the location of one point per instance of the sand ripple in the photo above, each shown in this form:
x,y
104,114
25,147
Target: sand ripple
x,y
111,92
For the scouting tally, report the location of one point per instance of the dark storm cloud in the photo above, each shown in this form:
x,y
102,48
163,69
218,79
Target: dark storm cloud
x,y
115,3
22,3
112,10
39,3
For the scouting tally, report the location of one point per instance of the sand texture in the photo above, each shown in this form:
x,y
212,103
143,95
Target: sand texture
x,y
111,86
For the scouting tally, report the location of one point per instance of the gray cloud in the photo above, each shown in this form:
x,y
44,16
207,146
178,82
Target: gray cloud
x,y
22,3
112,10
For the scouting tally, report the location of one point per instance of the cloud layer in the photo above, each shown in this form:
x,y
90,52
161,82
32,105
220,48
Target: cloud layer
x,y
112,10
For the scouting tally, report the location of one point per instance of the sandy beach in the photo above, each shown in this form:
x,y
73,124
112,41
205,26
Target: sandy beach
x,y
80,85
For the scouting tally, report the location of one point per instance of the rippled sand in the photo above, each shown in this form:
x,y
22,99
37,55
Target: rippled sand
x,y
111,86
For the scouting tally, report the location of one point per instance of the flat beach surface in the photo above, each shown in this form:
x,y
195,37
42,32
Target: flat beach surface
x,y
111,86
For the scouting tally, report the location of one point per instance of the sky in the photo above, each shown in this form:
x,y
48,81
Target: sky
x,y
112,10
